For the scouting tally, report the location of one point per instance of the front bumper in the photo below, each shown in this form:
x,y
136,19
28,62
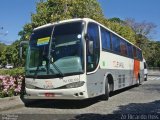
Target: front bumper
x,y
72,93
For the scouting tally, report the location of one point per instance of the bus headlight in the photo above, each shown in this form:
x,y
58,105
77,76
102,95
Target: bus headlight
x,y
30,86
75,84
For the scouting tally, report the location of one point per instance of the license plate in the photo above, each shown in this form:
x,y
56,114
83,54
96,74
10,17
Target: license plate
x,y
49,94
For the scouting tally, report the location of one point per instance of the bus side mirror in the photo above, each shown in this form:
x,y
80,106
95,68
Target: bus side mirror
x,y
89,44
22,43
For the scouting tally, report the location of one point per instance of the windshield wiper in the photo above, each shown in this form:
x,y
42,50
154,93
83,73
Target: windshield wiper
x,y
58,70
36,72
49,56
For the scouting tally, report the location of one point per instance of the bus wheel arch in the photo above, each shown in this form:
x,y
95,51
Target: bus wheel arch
x,y
111,82
108,86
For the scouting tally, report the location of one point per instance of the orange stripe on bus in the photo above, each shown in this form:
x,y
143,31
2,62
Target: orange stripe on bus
x,y
136,68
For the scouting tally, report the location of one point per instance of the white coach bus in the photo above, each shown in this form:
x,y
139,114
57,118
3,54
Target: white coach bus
x,y
79,59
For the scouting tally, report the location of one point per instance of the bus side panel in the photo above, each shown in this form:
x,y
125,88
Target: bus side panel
x,y
96,81
121,69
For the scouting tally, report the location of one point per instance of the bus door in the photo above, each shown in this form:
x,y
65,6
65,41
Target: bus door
x,y
92,59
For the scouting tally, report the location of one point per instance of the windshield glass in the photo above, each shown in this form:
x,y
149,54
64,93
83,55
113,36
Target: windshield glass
x,y
60,56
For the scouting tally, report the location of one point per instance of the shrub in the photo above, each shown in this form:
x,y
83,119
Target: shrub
x,y
11,81
10,86
12,72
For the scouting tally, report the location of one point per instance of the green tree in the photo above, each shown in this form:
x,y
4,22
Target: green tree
x,y
10,54
153,54
55,10
117,20
2,47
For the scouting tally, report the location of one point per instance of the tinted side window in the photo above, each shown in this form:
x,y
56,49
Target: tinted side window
x,y
130,50
123,47
115,44
106,41
134,52
93,58
139,54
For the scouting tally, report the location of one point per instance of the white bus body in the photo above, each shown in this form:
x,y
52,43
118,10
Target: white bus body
x,y
107,66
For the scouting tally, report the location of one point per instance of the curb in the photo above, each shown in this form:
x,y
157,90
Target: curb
x,y
10,103
11,107
8,98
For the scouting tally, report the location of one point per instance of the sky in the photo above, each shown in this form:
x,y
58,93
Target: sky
x,y
14,14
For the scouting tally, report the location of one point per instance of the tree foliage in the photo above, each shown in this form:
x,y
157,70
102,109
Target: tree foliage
x,y
2,47
55,10
10,55
153,53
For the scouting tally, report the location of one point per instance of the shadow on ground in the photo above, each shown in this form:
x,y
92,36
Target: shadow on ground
x,y
131,111
63,104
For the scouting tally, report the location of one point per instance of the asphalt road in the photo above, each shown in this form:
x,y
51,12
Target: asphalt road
x,y
141,102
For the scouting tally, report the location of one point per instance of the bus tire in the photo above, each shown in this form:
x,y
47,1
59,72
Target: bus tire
x,y
23,93
145,79
24,101
27,102
106,94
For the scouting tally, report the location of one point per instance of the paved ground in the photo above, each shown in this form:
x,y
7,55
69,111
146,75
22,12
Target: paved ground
x,y
141,102
155,72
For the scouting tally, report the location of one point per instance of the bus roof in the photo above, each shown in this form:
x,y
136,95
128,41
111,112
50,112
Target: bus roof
x,y
58,22
86,20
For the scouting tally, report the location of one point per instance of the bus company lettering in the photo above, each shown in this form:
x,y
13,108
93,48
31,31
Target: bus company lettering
x,y
118,64
71,80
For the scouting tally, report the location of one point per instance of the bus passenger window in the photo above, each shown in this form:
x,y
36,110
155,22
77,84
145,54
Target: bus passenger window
x,y
134,52
139,54
106,41
130,50
123,47
115,43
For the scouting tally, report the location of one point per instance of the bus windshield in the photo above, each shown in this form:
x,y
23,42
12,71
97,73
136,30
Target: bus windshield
x,y
55,50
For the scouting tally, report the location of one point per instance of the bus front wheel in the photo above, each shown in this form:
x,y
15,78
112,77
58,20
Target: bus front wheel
x,y
107,90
